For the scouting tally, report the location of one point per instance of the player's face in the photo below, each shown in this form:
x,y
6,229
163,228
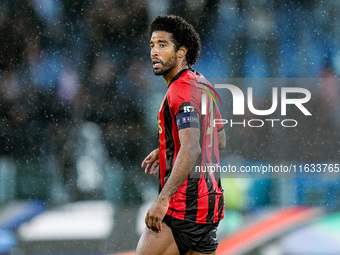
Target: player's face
x,y
163,53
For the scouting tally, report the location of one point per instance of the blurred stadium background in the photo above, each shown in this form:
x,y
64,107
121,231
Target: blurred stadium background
x,y
78,105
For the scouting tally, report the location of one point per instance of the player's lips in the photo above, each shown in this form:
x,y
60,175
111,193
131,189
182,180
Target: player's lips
x,y
156,63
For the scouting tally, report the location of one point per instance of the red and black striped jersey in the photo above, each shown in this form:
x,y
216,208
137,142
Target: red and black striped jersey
x,y
200,198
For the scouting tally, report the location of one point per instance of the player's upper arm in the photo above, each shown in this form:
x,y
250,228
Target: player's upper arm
x,y
222,140
190,140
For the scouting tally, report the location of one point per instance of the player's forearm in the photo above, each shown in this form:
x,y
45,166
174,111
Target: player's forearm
x,y
185,160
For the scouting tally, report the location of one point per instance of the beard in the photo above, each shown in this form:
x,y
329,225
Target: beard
x,y
166,66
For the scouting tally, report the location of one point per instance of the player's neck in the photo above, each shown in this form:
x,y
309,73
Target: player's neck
x,y
174,71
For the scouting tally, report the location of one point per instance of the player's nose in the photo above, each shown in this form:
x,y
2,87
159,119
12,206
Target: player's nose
x,y
154,51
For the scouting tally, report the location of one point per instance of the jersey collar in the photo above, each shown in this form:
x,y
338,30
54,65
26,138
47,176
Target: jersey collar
x,y
178,75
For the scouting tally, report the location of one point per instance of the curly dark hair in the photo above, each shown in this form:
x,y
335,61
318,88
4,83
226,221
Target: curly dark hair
x,y
183,34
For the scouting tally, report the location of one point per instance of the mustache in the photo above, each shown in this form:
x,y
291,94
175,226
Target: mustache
x,y
155,58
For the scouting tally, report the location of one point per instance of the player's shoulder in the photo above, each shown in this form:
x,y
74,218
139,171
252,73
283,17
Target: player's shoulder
x,y
187,78
184,88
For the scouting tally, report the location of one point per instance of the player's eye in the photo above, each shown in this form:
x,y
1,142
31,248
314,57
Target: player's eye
x,y
162,45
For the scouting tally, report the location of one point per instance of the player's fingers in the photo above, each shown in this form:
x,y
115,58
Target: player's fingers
x,y
145,161
154,169
155,225
150,160
147,169
160,226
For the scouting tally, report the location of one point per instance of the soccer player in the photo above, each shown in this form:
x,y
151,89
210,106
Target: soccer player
x,y
190,204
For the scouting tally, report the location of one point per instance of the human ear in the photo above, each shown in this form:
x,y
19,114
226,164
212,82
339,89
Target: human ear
x,y
182,51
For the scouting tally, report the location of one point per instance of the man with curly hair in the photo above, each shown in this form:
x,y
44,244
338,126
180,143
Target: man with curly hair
x,y
185,216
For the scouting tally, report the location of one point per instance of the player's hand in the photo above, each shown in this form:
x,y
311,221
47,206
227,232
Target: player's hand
x,y
151,162
155,215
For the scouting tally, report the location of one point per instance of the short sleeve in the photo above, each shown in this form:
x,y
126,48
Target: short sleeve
x,y
184,104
